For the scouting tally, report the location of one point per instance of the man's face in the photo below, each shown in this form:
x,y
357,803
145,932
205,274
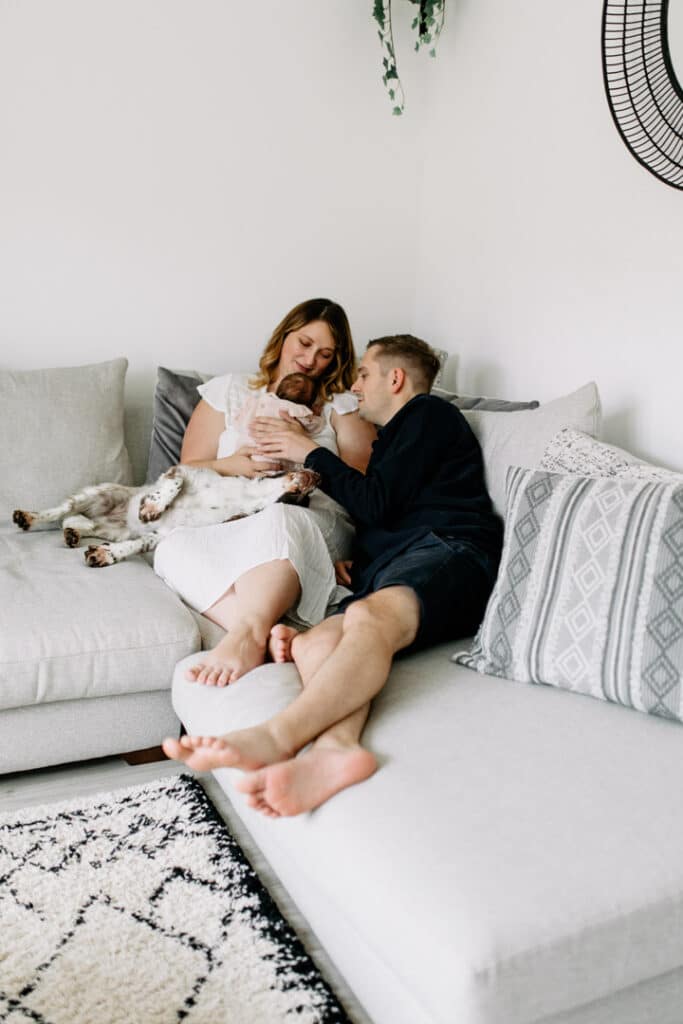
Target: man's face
x,y
373,390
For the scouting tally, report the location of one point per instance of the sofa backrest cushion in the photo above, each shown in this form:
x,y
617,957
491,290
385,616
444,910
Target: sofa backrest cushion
x,y
589,595
60,430
176,396
520,438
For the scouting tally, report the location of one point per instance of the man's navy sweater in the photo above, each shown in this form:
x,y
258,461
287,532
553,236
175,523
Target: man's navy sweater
x,y
425,475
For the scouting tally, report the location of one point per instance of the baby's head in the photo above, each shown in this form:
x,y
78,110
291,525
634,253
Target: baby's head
x,y
297,387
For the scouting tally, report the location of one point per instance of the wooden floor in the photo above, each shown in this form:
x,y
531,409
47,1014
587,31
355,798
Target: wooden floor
x,y
66,782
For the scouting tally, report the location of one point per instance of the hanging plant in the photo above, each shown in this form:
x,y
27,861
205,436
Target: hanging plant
x,y
428,22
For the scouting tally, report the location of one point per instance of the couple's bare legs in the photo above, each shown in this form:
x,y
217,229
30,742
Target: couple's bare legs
x,y
344,662
248,610
334,761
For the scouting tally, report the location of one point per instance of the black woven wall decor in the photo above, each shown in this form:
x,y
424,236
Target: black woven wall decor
x,y
644,94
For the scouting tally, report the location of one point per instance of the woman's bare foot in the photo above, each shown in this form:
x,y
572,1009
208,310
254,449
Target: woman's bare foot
x,y
280,643
245,748
304,782
240,650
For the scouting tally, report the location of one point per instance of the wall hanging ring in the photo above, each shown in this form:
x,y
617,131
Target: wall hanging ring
x,y
644,94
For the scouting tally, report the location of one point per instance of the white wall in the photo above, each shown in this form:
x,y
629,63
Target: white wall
x,y
548,256
174,176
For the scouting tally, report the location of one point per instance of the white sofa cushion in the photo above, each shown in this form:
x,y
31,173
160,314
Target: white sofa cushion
x,y
69,631
520,438
589,595
63,429
515,856
66,730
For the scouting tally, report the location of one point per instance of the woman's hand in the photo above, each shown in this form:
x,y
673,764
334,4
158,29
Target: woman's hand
x,y
342,572
283,438
240,463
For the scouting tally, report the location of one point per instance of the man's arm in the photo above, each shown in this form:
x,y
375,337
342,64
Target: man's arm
x,y
414,455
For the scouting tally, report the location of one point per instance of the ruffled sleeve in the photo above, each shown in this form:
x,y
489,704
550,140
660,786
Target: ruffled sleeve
x,y
226,394
215,392
344,403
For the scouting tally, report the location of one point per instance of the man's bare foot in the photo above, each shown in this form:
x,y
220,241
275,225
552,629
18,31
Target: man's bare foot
x,y
245,748
280,643
304,782
237,653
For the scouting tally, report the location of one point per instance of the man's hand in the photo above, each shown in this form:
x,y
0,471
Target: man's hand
x,y
342,572
283,438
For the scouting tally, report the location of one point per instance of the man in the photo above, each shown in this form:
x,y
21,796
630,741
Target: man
x,y
425,560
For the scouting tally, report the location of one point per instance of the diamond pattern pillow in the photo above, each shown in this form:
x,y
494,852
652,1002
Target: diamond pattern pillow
x,y
589,595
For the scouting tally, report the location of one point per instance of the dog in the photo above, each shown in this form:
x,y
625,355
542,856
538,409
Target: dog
x,y
135,519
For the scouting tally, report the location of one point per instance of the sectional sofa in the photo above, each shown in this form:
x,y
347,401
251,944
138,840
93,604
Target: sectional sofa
x,y
516,858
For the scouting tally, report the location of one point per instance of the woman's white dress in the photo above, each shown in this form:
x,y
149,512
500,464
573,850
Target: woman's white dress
x,y
202,563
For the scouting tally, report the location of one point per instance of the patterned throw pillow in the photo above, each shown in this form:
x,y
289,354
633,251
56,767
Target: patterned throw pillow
x,y
589,595
571,451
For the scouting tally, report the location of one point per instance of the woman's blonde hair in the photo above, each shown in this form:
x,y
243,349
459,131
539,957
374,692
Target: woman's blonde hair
x,y
340,374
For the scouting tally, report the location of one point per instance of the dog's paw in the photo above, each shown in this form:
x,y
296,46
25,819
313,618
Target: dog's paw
x,y
24,520
72,538
301,481
149,512
98,555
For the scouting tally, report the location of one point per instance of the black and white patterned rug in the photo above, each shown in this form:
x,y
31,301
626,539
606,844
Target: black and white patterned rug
x,y
138,907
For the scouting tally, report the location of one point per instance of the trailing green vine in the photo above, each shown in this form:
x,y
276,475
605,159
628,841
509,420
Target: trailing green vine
x,y
428,22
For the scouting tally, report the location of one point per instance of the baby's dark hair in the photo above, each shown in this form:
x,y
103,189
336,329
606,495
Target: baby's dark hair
x,y
297,387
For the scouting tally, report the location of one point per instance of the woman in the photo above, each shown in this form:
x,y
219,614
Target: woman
x,y
246,574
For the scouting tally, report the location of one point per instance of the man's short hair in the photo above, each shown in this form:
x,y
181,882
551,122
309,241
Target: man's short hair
x,y
416,357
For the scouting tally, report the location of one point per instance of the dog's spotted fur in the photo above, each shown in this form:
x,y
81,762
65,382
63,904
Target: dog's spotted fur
x,y
135,519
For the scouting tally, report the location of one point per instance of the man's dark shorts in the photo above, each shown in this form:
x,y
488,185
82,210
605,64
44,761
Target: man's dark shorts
x,y
452,579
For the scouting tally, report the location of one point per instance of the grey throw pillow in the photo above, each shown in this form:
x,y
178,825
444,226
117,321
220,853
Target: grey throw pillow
x,y
175,398
589,595
481,402
60,430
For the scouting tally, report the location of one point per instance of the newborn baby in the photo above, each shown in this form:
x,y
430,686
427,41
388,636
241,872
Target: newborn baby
x,y
295,395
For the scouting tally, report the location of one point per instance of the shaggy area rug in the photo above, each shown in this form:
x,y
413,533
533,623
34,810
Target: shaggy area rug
x,y
139,906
